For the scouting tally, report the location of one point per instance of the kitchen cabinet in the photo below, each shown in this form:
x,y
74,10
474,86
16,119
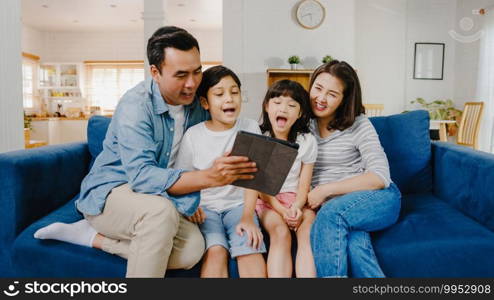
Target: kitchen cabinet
x,y
61,86
300,76
59,130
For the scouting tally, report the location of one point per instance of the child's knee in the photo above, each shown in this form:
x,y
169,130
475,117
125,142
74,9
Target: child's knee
x,y
280,233
217,253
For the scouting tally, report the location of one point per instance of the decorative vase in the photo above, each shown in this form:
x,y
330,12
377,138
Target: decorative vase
x,y
293,66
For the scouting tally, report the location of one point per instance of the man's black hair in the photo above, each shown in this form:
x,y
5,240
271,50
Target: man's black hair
x,y
168,37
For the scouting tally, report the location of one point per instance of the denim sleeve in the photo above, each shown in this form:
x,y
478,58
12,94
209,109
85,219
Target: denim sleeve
x,y
139,152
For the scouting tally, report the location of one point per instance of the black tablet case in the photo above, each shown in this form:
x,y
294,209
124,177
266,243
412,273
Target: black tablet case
x,y
273,157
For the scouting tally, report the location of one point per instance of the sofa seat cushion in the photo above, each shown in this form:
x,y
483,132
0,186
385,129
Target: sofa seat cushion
x,y
432,239
48,258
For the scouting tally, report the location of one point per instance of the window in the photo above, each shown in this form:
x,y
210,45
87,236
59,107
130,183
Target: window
x,y
29,78
106,82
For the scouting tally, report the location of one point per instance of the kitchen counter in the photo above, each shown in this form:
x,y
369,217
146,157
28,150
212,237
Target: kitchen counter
x,y
59,118
59,130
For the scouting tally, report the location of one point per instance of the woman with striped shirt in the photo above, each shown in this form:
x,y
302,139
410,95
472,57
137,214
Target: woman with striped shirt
x,y
351,183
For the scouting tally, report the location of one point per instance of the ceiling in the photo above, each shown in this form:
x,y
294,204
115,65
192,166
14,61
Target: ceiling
x,y
117,15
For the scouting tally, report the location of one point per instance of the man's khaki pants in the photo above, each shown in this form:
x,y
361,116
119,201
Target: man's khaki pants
x,y
149,232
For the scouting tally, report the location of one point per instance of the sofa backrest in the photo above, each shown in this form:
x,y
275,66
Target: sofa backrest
x,y
404,137
96,132
406,141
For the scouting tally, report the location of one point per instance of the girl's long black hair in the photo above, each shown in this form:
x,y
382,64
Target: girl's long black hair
x,y
296,91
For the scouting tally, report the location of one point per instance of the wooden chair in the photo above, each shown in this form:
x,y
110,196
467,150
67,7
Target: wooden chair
x,y
468,130
373,110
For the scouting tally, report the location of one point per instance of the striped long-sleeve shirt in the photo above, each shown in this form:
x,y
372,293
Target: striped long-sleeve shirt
x,y
348,153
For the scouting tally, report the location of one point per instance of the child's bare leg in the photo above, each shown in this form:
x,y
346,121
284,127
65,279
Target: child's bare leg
x,y
279,254
215,263
304,263
251,266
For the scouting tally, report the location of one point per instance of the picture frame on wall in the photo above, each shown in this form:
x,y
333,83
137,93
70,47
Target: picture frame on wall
x,y
428,61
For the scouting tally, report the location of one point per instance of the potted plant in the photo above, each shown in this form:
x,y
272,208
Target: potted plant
x,y
294,60
442,110
326,59
27,128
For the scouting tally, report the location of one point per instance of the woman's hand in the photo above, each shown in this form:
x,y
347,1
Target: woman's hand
x,y
254,235
316,197
198,217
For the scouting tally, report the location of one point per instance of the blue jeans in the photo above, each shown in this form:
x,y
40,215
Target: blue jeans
x,y
219,230
340,233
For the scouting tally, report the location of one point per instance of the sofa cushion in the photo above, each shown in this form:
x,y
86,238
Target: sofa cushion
x,y
406,141
50,258
96,132
432,239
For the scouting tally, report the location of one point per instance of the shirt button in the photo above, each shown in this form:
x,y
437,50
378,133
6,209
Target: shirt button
x,y
167,153
171,129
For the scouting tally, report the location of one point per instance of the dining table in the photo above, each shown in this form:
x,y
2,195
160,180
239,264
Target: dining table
x,y
441,126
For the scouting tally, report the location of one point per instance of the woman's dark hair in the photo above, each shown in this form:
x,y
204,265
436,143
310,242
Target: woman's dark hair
x,y
212,76
168,37
296,91
351,105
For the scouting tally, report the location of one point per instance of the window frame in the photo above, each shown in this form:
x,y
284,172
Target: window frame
x,y
90,66
32,61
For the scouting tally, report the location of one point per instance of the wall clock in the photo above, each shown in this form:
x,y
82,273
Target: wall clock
x,y
310,14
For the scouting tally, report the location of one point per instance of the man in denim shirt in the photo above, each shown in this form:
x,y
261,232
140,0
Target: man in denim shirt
x,y
133,197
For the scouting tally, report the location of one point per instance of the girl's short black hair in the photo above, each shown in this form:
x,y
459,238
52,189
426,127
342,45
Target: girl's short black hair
x,y
351,106
212,76
296,91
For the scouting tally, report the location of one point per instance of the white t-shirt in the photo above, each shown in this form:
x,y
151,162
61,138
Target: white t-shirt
x,y
200,147
177,113
307,154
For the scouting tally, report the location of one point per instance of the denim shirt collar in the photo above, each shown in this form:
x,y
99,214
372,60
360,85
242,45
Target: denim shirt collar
x,y
159,105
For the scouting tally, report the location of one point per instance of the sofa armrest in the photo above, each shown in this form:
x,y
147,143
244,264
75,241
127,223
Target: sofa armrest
x,y
464,178
36,181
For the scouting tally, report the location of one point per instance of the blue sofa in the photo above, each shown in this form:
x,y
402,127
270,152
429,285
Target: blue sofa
x,y
445,228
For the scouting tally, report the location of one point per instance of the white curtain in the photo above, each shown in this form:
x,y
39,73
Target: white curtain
x,y
485,86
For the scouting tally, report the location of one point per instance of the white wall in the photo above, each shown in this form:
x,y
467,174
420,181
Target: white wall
x,y
467,54
259,34
81,46
210,42
380,52
430,21
387,31
33,41
376,36
11,124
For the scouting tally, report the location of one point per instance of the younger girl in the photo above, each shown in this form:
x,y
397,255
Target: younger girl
x,y
286,115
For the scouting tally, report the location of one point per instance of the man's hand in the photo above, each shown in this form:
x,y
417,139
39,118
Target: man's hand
x,y
253,232
316,197
227,169
198,217
293,217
